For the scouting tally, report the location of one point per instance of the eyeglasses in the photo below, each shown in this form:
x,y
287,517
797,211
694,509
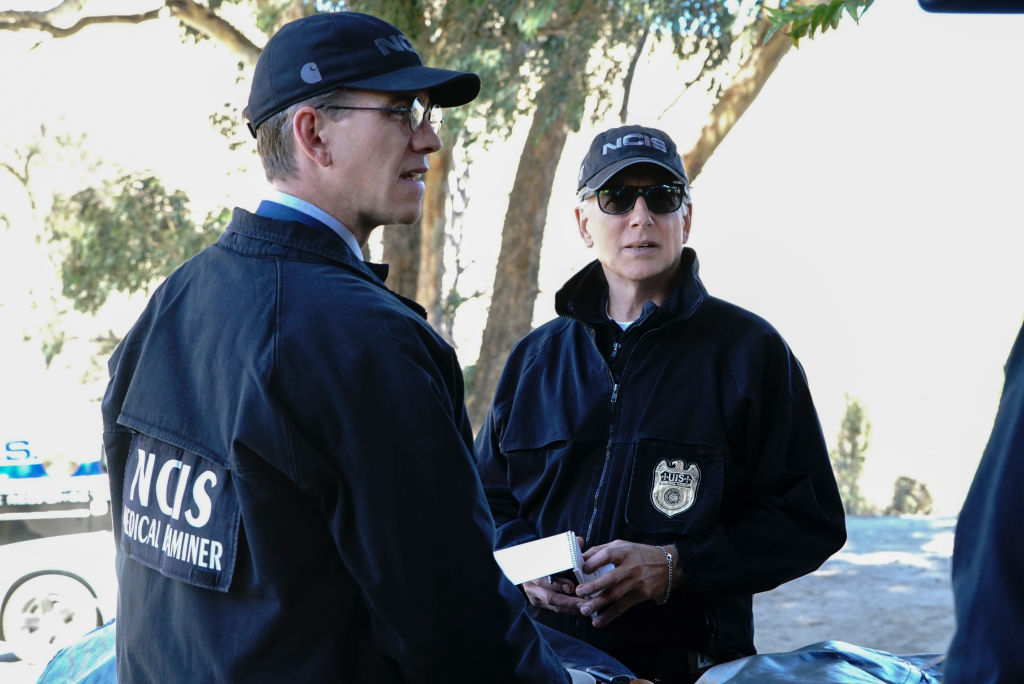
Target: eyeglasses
x,y
620,199
417,113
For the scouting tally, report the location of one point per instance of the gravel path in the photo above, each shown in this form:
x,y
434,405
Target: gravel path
x,y
888,589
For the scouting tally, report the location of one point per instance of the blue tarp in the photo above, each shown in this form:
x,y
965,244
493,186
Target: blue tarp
x,y
829,662
90,660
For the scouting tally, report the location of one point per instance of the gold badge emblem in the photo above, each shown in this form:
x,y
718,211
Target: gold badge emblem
x,y
675,486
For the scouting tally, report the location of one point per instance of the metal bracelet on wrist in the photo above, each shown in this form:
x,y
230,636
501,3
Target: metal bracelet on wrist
x,y
668,587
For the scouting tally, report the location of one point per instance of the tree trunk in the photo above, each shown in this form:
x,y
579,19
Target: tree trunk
x,y
515,280
402,252
737,97
432,236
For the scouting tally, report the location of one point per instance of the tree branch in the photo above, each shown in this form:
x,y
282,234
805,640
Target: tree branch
x,y
627,83
188,12
13,20
207,22
23,176
764,57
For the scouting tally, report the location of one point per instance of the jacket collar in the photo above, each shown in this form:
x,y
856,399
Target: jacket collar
x,y
584,295
318,240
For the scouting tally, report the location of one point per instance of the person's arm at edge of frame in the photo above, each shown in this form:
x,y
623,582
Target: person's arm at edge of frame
x,y
988,557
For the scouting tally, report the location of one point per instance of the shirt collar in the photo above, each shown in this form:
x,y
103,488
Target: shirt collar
x,y
320,215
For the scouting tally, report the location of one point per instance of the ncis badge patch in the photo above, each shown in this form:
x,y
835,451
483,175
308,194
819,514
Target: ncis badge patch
x,y
675,486
180,514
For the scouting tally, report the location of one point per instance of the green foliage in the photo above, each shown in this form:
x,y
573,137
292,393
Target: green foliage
x,y
124,235
530,17
514,46
849,455
225,122
53,344
806,20
909,497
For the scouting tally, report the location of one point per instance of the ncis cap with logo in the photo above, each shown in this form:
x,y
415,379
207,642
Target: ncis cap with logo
x,y
615,149
321,52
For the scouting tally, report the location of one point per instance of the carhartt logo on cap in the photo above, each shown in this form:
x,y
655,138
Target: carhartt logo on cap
x,y
310,73
395,43
635,139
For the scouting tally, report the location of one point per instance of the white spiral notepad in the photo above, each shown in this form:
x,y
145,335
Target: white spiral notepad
x,y
543,557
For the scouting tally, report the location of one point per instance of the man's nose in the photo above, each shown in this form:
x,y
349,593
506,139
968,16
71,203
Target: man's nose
x,y
426,139
640,215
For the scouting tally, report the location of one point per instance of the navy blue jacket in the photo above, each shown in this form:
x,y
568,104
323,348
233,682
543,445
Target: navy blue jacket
x,y
988,551
696,428
294,488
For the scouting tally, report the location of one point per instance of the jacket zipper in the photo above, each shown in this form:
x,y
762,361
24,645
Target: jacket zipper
x,y
607,460
616,347
611,423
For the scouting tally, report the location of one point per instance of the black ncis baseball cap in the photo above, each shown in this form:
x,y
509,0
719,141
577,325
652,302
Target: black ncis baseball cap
x,y
321,52
615,149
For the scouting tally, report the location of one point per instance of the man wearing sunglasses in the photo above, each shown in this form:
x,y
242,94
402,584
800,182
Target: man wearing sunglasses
x,y
290,459
673,432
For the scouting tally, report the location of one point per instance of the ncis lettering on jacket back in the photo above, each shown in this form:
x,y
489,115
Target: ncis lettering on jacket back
x,y
179,514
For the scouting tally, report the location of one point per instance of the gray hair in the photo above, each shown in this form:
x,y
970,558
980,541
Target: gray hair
x,y
274,143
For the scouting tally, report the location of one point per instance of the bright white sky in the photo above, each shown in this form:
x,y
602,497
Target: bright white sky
x,y
866,205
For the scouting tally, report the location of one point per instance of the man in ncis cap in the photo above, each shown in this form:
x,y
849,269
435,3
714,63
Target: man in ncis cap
x,y
290,459
673,431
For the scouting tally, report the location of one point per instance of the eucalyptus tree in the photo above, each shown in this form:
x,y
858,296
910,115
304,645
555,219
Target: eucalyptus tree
x,y
569,57
736,47
546,60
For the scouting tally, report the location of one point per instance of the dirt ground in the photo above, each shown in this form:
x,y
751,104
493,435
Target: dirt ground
x,y
888,589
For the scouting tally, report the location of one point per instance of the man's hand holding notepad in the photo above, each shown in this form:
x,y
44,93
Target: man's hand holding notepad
x,y
545,557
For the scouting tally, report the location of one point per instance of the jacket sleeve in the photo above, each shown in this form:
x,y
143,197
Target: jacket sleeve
x,y
492,465
388,452
988,557
787,517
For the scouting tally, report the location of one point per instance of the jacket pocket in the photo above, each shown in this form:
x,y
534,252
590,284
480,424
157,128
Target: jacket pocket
x,y
180,513
674,488
537,449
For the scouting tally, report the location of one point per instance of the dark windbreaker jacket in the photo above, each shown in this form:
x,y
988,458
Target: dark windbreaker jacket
x,y
295,498
988,553
695,428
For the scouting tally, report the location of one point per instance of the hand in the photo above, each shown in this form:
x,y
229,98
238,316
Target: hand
x,y
640,574
555,594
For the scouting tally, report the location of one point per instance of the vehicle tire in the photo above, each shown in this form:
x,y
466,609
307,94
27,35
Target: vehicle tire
x,y
45,613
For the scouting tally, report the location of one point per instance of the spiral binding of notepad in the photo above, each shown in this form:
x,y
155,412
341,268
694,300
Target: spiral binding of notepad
x,y
577,561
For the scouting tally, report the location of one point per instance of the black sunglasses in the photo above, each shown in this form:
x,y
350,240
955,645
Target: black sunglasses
x,y
620,199
417,113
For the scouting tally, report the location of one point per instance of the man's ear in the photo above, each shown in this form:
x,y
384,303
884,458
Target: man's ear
x,y
307,128
581,223
686,222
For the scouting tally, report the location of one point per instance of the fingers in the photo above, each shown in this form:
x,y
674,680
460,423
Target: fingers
x,y
615,552
542,594
561,585
639,575
600,618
